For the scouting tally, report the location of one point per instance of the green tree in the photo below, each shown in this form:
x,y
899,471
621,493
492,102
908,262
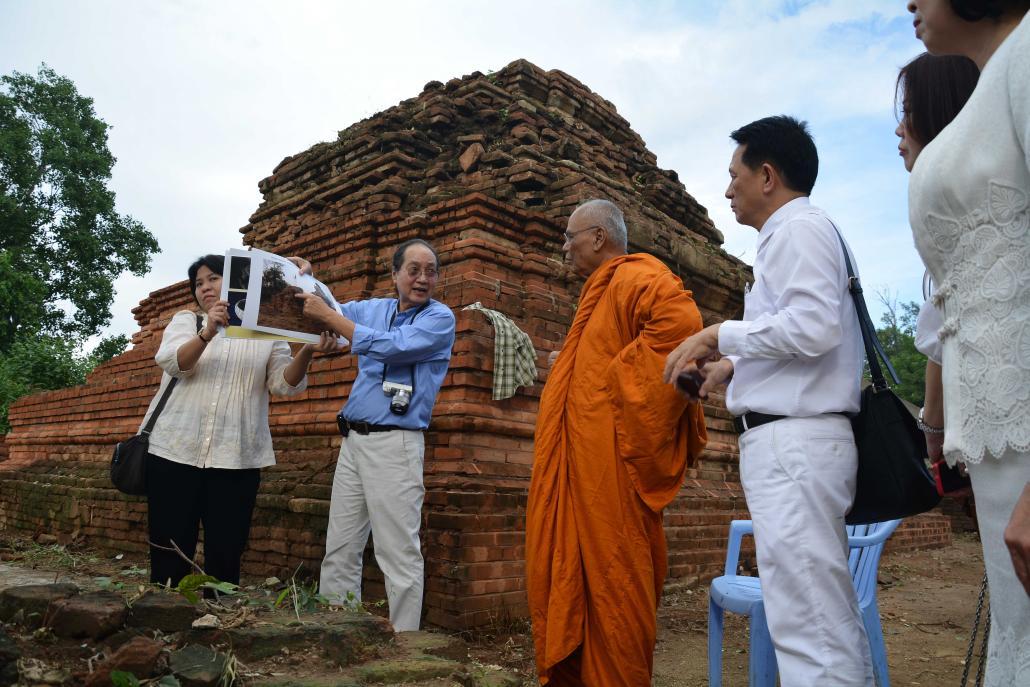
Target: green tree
x,y
898,337
41,363
62,243
108,348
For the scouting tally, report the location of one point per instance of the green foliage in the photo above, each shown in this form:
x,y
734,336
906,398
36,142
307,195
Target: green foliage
x,y
108,584
109,347
301,596
37,364
898,337
63,242
120,678
42,362
190,585
50,555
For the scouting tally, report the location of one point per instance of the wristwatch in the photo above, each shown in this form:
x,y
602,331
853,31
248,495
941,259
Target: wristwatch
x,y
925,428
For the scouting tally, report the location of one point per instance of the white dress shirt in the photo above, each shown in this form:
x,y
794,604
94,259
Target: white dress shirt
x,y
798,352
217,414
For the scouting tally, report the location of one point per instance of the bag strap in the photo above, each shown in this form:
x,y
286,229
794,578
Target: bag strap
x,y
164,397
873,349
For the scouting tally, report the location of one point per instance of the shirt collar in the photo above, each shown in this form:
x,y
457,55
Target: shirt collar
x,y
782,215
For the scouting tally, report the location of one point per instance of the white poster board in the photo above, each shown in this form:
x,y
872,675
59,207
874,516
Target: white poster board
x,y
261,289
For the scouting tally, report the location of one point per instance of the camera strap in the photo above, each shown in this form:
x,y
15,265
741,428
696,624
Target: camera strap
x,y
389,327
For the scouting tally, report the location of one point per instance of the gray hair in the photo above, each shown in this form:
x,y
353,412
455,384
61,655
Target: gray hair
x,y
608,216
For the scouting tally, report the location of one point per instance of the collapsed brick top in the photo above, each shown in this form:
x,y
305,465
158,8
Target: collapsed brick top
x,y
521,135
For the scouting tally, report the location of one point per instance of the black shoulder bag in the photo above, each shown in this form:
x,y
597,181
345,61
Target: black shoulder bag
x,y
129,462
893,480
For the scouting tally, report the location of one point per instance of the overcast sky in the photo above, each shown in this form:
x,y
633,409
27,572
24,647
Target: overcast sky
x,y
205,98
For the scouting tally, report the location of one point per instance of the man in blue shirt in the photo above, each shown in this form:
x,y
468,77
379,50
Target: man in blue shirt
x,y
403,346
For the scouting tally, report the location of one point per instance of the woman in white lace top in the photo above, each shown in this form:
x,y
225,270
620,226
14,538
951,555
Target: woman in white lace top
x,y
932,90
969,205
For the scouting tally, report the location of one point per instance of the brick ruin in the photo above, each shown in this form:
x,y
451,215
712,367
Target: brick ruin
x,y
487,167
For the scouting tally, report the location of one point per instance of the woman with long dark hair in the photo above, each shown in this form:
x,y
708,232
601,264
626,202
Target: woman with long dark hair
x,y
931,91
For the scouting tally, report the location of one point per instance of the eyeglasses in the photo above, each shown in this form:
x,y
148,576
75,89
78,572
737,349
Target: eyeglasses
x,y
569,237
429,273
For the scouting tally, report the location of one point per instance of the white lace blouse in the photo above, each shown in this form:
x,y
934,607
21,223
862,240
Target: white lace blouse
x,y
217,414
969,205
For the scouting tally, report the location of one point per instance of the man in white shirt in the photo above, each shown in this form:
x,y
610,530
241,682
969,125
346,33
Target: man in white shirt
x,y
794,368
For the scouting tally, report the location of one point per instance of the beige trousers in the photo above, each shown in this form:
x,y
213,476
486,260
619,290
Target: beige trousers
x,y
378,488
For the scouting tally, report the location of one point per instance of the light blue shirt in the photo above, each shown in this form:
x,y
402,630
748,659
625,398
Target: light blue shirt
x,y
414,345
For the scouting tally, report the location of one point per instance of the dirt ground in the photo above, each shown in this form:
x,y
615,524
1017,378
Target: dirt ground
x,y
927,602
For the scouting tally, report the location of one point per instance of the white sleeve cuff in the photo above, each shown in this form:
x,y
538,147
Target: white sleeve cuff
x,y
732,337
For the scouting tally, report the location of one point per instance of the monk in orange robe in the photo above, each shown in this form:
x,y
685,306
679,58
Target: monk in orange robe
x,y
612,444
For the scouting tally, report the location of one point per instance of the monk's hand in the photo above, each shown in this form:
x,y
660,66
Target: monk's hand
x,y
303,265
1017,538
700,346
715,375
315,308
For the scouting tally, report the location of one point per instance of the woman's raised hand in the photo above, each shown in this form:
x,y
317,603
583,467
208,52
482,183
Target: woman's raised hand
x,y
217,316
328,342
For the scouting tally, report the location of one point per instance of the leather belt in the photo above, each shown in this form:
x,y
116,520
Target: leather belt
x,y
743,423
346,426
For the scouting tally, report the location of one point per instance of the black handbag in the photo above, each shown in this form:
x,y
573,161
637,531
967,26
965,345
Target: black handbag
x,y
893,479
129,462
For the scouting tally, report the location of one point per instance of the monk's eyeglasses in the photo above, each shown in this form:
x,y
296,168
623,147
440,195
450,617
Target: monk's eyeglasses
x,y
569,237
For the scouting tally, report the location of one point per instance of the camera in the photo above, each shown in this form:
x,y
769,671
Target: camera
x,y
400,396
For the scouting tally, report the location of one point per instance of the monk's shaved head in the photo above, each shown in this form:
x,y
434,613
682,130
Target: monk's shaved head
x,y
607,215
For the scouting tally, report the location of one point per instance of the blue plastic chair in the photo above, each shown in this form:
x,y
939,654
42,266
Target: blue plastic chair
x,y
743,594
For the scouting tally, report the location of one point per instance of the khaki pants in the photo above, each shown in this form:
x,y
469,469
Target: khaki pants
x,y
378,487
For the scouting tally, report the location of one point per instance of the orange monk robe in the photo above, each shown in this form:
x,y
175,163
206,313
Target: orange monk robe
x,y
612,444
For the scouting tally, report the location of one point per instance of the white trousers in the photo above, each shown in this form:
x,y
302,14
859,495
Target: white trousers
x,y
799,479
377,487
997,485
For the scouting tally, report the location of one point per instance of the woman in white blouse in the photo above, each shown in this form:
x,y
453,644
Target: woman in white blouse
x,y
969,206
932,90
212,438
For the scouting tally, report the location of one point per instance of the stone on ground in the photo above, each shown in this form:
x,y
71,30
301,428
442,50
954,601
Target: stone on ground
x,y
140,656
392,671
197,666
27,604
345,638
9,655
94,616
163,611
434,644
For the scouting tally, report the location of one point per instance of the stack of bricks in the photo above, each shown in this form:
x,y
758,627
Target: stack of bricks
x,y
487,168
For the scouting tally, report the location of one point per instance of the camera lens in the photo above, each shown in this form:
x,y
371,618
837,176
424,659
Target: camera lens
x,y
399,402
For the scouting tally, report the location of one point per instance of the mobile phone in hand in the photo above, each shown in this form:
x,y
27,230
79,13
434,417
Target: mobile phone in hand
x,y
689,383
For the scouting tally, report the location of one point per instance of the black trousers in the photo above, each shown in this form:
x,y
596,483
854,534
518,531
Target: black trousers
x,y
179,499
